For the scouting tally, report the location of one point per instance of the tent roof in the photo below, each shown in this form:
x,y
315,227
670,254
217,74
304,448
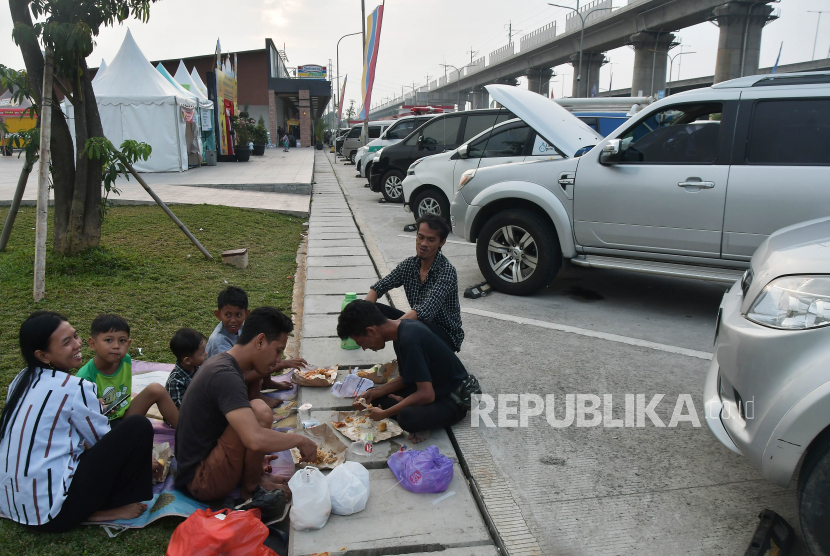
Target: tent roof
x,y
101,70
198,81
182,91
130,77
184,78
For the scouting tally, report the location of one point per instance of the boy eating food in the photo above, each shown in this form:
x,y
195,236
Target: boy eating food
x,y
112,371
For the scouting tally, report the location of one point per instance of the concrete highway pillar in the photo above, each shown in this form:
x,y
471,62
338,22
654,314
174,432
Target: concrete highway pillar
x,y
481,99
538,80
650,62
591,64
739,44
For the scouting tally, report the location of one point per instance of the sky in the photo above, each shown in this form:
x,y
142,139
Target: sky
x,y
416,37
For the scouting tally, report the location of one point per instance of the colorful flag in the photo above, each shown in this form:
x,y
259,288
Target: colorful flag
x,y
370,57
342,92
775,67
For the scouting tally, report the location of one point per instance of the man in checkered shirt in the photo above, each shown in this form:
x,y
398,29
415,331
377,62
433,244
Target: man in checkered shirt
x,y
430,283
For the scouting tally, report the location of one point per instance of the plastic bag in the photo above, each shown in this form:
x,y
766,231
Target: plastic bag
x,y
206,533
422,470
163,454
349,488
311,501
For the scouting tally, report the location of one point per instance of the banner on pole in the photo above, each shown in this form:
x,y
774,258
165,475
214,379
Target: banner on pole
x,y
370,57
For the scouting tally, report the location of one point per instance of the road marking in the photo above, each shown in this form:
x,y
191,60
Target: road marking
x,y
590,333
410,236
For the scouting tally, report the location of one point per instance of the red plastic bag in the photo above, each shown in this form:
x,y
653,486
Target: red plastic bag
x,y
206,533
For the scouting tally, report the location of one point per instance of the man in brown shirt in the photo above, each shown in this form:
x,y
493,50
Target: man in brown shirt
x,y
222,438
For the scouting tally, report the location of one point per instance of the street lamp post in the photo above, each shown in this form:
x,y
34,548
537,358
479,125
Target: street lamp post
x,y
458,79
671,63
581,37
340,100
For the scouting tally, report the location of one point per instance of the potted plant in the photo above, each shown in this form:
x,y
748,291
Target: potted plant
x,y
319,130
260,138
243,129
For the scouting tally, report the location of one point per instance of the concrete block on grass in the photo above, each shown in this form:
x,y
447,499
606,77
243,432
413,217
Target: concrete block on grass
x,y
397,521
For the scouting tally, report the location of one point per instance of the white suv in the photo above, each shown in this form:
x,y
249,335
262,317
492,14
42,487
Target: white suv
x,y
690,186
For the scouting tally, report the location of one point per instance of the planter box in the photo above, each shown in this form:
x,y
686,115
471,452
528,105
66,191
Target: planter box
x,y
259,150
243,154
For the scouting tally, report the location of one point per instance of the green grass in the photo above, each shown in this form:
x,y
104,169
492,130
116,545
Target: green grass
x,y
147,271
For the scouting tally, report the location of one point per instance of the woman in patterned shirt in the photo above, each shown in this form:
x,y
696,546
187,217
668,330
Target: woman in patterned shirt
x,y
63,465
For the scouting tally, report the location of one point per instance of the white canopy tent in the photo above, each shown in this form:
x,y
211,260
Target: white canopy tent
x,y
206,106
194,75
195,148
136,102
101,70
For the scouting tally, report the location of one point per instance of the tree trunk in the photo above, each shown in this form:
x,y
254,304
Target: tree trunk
x,y
76,179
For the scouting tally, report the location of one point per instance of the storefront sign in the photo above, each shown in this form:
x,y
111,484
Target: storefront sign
x,y
311,72
226,86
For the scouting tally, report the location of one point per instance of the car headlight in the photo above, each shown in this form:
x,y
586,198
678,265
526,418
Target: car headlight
x,y
793,303
465,178
411,170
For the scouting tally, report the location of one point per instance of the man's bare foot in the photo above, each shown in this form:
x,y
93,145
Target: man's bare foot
x,y
270,402
283,385
266,463
274,482
417,437
130,511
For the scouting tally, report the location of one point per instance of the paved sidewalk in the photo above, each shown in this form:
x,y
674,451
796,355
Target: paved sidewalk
x,y
395,520
271,183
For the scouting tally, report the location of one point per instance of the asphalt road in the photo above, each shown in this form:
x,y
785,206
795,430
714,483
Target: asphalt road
x,y
601,490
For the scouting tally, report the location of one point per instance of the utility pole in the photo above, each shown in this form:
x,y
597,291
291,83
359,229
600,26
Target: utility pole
x,y
39,289
510,32
815,40
472,53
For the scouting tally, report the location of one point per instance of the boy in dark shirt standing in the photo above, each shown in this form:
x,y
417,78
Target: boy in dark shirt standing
x,y
419,399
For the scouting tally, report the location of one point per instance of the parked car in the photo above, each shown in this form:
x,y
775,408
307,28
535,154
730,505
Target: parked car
x,y
442,133
653,197
431,181
354,140
341,138
767,393
395,133
603,122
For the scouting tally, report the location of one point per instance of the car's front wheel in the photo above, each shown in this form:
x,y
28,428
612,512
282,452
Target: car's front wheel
x,y
431,201
392,186
518,252
814,495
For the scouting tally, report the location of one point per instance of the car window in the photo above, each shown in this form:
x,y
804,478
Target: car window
x,y
510,141
683,134
790,131
543,148
374,132
401,129
440,134
355,132
476,123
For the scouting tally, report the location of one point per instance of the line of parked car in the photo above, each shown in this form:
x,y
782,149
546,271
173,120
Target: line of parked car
x,y
729,184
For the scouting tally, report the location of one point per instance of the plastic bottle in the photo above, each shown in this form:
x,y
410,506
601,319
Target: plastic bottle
x,y
348,343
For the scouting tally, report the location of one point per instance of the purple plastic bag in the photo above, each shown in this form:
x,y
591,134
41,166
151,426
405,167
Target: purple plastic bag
x,y
422,470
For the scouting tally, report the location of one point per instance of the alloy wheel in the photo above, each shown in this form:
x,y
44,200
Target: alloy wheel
x,y
429,205
393,187
513,254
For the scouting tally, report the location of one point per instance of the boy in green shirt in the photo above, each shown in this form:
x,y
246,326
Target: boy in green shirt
x,y
112,372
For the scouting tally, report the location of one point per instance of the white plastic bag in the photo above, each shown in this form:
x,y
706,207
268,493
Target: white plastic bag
x,y
349,488
311,501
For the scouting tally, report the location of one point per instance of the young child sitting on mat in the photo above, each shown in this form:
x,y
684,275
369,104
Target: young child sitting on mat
x,y
232,310
188,346
112,371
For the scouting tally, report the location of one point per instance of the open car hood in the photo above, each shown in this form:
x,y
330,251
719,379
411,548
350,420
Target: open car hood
x,y
558,126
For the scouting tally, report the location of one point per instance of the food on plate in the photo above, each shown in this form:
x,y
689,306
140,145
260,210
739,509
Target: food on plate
x,y
338,424
325,456
348,419
312,374
382,426
364,403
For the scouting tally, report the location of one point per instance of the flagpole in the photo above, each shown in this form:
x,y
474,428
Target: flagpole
x,y
365,108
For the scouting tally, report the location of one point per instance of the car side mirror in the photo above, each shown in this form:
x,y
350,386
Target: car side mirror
x,y
463,151
611,152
